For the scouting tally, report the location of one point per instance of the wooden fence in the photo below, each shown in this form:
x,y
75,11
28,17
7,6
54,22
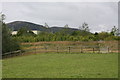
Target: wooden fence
x,y
69,49
12,54
59,49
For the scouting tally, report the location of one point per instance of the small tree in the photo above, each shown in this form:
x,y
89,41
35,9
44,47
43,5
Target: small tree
x,y
25,32
65,30
103,35
48,29
22,31
114,31
66,26
46,25
84,27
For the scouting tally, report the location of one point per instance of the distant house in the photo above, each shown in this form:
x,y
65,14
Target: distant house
x,y
34,31
14,32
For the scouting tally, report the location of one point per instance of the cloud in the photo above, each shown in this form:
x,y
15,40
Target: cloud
x,y
61,13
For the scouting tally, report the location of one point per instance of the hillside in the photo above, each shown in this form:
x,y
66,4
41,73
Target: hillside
x,y
16,25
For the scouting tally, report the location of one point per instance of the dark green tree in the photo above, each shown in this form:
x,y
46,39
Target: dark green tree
x,y
25,32
75,33
8,43
22,31
103,35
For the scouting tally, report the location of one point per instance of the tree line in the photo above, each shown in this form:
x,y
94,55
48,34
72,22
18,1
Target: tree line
x,y
83,34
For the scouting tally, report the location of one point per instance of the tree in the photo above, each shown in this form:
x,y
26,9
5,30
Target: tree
x,y
65,30
46,25
2,17
22,31
114,31
96,34
75,33
103,35
48,29
25,32
8,43
84,27
66,26
96,37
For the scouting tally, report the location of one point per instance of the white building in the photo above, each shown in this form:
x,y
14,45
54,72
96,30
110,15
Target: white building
x,y
34,31
14,32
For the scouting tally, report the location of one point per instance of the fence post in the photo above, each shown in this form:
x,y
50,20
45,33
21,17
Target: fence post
x,y
57,50
108,49
81,50
10,54
99,49
35,49
69,49
45,49
93,50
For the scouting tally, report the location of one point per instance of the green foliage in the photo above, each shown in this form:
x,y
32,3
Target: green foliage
x,y
112,38
25,38
61,36
75,33
25,32
8,43
103,35
84,34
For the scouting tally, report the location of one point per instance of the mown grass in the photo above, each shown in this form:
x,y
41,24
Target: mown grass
x,y
52,65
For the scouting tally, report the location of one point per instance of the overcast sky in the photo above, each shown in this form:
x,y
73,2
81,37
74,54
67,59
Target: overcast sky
x,y
100,16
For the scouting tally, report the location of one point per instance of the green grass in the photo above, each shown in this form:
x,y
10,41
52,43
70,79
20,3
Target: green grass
x,y
52,65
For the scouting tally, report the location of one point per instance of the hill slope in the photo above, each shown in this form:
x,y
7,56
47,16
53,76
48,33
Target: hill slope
x,y
19,24
16,25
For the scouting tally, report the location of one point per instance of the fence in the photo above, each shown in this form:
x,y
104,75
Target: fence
x,y
94,46
12,54
68,49
63,47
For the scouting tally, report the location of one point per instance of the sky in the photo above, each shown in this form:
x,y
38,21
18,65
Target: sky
x,y
100,16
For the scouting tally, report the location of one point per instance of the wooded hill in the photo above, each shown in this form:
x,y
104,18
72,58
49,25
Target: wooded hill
x,y
16,25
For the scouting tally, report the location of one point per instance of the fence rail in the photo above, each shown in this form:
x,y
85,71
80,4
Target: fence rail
x,y
69,49
11,54
60,49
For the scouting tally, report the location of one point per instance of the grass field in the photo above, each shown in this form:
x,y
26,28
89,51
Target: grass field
x,y
53,65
